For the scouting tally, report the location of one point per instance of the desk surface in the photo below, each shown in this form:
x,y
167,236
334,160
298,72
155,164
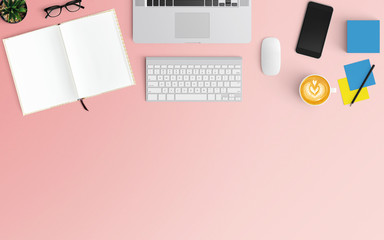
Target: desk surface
x,y
268,168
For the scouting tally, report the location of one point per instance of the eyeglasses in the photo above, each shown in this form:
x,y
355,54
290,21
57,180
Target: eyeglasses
x,y
72,6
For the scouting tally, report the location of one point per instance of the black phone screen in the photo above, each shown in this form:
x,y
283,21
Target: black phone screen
x,y
314,29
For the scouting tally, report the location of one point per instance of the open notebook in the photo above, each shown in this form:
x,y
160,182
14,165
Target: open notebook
x,y
67,62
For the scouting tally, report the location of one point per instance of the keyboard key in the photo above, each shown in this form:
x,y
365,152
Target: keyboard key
x,y
152,78
169,3
152,97
155,2
170,97
154,90
211,97
234,90
189,2
215,2
191,97
236,71
153,84
162,2
162,97
208,3
228,3
235,84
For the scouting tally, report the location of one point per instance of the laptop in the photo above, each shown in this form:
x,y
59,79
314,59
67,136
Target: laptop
x,y
192,21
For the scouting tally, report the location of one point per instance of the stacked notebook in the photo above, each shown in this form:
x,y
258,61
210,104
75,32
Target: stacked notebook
x,y
67,62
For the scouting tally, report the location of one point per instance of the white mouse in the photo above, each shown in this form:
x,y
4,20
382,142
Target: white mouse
x,y
271,56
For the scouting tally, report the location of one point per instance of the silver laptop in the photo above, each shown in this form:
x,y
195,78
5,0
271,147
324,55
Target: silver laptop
x,y
192,21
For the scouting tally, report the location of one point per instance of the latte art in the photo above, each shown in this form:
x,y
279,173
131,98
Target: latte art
x,y
314,90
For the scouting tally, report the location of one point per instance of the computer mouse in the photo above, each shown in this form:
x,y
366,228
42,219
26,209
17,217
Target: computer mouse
x,y
271,56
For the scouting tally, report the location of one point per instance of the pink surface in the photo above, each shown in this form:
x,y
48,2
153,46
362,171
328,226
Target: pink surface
x,y
268,168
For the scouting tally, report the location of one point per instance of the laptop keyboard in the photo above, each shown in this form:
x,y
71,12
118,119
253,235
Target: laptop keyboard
x,y
196,3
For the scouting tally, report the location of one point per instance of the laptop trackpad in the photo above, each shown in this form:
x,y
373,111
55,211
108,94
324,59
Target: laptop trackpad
x,y
192,25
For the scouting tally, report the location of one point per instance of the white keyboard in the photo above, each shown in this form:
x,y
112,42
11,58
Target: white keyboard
x,y
215,79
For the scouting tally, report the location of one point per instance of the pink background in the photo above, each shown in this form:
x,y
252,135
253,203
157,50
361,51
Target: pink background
x,y
268,168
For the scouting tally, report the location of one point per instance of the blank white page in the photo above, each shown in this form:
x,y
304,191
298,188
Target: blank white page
x,y
97,54
40,69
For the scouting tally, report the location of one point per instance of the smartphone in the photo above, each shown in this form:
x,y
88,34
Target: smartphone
x,y
314,30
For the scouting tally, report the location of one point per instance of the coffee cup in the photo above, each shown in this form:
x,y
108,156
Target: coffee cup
x,y
315,90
